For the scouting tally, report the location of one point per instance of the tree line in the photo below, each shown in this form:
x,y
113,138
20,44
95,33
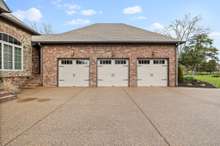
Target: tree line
x,y
197,54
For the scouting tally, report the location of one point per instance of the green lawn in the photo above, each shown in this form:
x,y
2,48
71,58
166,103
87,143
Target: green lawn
x,y
210,79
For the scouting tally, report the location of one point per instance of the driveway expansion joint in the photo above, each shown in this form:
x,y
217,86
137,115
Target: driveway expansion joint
x,y
147,118
44,117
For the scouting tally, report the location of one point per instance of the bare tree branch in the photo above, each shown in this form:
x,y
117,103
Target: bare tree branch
x,y
42,28
185,28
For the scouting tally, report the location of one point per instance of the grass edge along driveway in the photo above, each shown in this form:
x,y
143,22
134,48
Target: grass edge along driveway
x,y
209,79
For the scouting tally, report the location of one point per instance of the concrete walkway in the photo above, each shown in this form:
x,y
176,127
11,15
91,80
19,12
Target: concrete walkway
x,y
112,116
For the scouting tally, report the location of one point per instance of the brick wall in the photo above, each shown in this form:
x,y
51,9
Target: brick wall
x,y
25,37
51,53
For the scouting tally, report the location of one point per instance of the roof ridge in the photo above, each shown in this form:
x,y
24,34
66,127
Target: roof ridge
x,y
125,24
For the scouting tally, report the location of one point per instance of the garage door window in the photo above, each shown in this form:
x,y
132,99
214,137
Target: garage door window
x,y
66,62
105,62
159,61
81,62
144,61
121,61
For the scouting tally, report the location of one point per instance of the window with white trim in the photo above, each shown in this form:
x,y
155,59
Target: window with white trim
x,y
120,61
67,62
144,61
11,53
105,61
159,61
81,62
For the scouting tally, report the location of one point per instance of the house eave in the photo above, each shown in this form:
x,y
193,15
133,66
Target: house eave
x,y
105,42
20,25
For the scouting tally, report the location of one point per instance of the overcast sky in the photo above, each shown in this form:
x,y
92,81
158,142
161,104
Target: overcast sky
x,y
153,15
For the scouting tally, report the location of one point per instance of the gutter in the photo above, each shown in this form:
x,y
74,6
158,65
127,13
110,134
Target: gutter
x,y
103,42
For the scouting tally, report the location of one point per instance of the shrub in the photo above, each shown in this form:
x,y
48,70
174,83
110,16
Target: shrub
x,y
180,74
216,75
202,73
189,78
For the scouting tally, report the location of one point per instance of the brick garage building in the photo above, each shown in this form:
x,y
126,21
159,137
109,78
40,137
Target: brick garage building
x,y
94,56
107,55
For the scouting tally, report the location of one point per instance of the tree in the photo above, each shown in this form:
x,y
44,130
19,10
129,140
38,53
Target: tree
x,y
199,50
210,66
47,28
184,29
43,28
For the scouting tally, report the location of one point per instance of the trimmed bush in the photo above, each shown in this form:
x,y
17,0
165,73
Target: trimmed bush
x,y
180,74
216,75
189,78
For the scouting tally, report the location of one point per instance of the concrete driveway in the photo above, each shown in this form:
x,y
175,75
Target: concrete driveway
x,y
112,116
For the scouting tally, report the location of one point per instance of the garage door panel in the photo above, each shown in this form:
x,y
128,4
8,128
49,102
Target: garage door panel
x,y
152,72
112,72
73,72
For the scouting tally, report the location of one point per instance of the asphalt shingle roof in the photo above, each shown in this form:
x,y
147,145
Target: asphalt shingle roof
x,y
106,33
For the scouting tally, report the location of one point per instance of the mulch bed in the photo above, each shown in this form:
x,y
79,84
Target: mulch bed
x,y
196,84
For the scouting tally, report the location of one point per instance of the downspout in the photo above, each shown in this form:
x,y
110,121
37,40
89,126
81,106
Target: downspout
x,y
41,62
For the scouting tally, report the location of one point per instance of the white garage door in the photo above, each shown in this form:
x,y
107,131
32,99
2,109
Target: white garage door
x,y
112,72
152,72
73,72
